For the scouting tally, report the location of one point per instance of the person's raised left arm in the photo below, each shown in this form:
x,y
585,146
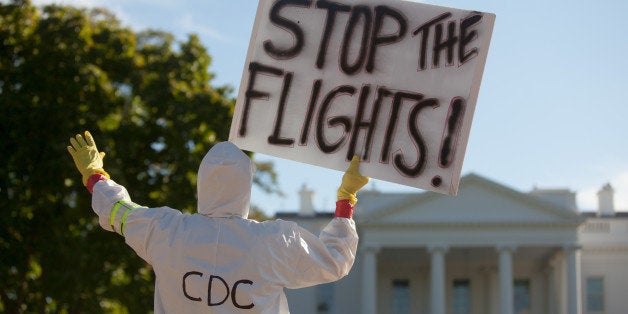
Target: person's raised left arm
x,y
112,203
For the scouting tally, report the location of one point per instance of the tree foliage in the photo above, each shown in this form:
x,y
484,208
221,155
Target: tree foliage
x,y
148,102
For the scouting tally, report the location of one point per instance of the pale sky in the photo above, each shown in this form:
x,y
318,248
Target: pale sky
x,y
551,111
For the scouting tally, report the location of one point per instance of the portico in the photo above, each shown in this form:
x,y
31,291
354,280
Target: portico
x,y
489,273
489,250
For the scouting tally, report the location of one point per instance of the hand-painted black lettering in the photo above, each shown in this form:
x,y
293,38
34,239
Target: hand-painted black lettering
x,y
437,181
358,12
185,291
369,125
382,93
289,25
209,291
425,30
251,93
275,138
332,8
322,115
392,123
381,12
305,131
343,121
233,294
456,111
366,89
399,160
440,44
467,37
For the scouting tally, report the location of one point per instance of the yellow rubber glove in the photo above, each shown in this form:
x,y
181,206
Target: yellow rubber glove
x,y
86,157
352,182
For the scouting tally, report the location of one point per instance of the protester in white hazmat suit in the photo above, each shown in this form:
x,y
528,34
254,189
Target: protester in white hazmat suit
x,y
218,261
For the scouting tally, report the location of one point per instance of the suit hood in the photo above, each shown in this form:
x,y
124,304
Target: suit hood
x,y
224,182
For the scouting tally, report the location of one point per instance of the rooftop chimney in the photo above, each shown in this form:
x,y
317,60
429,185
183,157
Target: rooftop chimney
x,y
606,205
307,208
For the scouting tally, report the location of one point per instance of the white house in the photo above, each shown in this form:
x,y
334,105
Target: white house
x,y
489,250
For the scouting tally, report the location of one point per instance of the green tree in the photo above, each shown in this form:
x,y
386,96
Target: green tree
x,y
148,101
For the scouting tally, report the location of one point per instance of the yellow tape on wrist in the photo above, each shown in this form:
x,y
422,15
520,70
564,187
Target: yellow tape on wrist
x,y
130,206
112,216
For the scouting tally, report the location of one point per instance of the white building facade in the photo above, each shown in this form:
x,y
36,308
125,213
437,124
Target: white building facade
x,y
489,250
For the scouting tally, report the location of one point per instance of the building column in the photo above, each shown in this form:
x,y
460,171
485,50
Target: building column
x,y
437,282
369,280
551,299
574,282
506,305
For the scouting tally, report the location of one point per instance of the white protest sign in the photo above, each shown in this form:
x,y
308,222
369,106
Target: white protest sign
x,y
395,82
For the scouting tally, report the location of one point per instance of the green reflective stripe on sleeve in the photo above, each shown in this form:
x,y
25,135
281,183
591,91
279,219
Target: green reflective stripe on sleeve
x,y
114,212
129,206
124,219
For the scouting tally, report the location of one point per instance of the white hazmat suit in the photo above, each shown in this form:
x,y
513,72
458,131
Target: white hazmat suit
x,y
218,261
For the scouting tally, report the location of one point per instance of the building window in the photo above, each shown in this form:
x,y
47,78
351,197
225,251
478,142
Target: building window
x,y
522,296
400,296
595,294
461,293
325,301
